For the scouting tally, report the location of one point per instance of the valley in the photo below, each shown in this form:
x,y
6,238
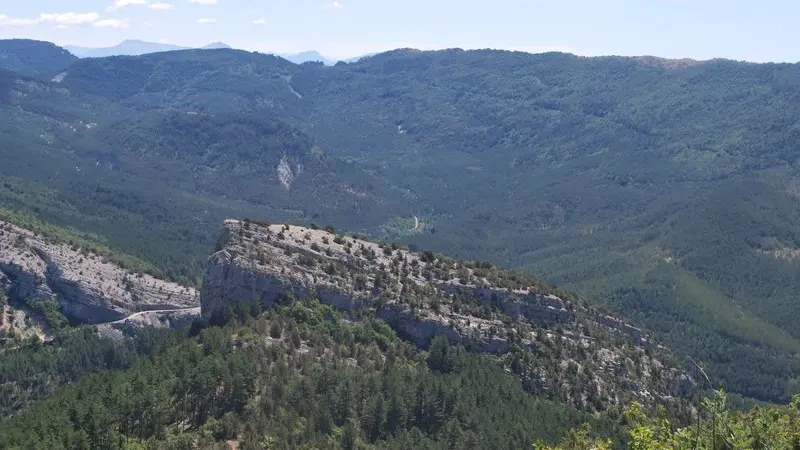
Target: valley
x,y
657,197
493,174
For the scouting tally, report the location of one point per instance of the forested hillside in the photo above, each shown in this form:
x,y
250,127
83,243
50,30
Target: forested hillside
x,y
536,363
156,184
33,58
303,376
662,190
298,377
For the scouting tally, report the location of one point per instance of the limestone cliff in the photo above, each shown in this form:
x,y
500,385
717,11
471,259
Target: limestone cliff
x,y
87,287
424,295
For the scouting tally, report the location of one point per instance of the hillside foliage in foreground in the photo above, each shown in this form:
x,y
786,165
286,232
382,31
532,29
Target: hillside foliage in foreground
x,y
297,377
761,428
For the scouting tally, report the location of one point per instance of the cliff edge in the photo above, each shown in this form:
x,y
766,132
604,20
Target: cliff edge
x,y
422,295
87,287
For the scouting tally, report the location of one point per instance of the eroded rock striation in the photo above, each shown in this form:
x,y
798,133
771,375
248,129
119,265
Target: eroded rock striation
x,y
87,287
423,295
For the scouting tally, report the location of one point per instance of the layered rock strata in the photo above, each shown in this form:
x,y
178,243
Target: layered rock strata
x,y
88,288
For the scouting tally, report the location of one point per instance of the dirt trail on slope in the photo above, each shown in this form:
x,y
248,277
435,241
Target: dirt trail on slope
x,y
416,224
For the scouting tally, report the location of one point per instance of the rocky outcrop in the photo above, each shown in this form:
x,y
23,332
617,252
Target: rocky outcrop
x,y
529,305
681,385
421,330
229,278
269,263
175,318
16,282
423,296
87,287
265,263
636,334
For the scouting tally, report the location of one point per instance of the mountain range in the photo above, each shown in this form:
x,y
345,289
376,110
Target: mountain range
x,y
134,47
663,191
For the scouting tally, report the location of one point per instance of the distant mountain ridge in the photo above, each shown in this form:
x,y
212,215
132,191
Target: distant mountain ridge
x,y
307,56
33,58
315,56
217,46
135,47
130,47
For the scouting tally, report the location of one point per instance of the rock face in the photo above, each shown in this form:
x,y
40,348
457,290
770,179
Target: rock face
x,y
423,296
157,319
529,305
88,288
267,263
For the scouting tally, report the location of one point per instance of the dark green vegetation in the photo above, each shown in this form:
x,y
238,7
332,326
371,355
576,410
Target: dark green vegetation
x,y
296,377
33,58
663,190
32,371
158,184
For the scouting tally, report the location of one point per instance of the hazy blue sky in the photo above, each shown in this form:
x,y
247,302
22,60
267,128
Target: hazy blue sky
x,y
766,30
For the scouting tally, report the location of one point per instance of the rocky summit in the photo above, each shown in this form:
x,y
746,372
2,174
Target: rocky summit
x,y
88,287
546,337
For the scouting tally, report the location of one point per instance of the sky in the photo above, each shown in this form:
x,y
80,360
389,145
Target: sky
x,y
759,31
